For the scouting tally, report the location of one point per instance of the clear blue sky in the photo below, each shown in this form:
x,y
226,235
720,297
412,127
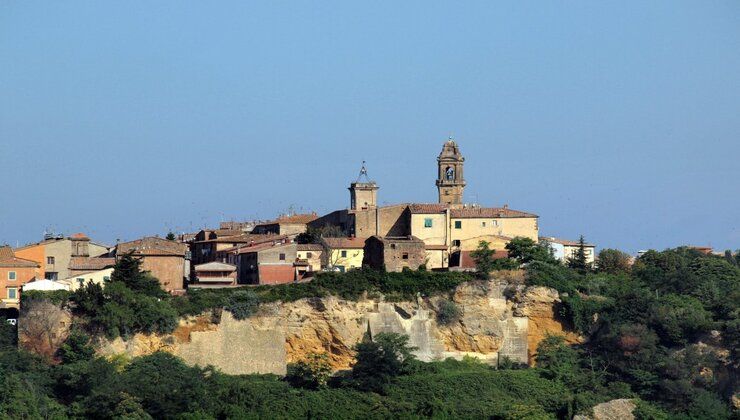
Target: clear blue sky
x,y
616,120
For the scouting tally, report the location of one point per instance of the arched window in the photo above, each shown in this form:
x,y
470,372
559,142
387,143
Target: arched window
x,y
450,173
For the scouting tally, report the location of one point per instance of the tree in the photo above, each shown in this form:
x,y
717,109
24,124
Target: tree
x,y
613,261
171,236
164,385
41,327
578,260
128,271
525,250
483,257
313,372
678,318
313,235
380,360
76,348
242,303
448,313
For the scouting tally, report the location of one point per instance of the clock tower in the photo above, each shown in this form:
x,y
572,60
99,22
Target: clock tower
x,y
450,181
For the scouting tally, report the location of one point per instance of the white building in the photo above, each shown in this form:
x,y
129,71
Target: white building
x,y
45,285
565,249
96,277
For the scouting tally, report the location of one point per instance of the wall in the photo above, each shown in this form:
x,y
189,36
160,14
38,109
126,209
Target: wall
x,y
169,270
436,258
435,235
352,260
394,221
491,327
472,230
96,277
33,253
22,276
314,261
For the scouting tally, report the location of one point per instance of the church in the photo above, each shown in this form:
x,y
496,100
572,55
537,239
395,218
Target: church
x,y
449,229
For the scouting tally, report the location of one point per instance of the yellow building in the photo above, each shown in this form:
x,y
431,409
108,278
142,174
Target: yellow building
x,y
343,254
447,227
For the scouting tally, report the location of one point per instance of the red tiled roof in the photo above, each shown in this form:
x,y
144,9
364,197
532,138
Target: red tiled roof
x,y
152,246
260,247
79,235
91,263
227,232
8,259
422,208
467,261
245,238
487,212
309,247
298,218
344,243
253,239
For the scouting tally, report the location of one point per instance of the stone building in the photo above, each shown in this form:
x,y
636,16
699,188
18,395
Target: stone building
x,y
394,253
213,275
165,260
267,263
450,181
290,225
55,253
447,227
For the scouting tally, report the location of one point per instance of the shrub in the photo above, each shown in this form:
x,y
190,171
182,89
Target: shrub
x,y
242,304
312,373
448,313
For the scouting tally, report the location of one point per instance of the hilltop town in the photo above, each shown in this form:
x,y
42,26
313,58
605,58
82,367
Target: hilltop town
x,y
293,247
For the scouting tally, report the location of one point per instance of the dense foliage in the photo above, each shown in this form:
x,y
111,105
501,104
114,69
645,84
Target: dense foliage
x,y
663,331
649,329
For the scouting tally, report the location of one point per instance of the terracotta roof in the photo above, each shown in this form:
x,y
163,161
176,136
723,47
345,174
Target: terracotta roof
x,y
215,266
488,212
310,247
91,263
244,238
467,261
261,247
565,242
79,236
8,259
422,208
298,218
344,243
251,240
152,246
227,232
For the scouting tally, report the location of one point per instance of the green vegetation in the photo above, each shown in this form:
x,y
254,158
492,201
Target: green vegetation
x,y
643,325
351,286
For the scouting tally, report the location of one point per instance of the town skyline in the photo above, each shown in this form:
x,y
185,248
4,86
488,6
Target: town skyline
x,y
122,122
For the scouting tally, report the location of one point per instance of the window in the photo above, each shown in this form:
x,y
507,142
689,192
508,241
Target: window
x,y
106,278
12,293
428,222
458,224
344,254
309,255
483,224
456,242
405,256
50,260
494,223
11,275
81,280
282,257
50,275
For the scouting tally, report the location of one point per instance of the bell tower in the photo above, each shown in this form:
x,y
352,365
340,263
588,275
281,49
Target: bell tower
x,y
450,181
363,193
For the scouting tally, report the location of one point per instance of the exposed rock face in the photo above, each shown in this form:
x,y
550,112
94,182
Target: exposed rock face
x,y
611,410
490,326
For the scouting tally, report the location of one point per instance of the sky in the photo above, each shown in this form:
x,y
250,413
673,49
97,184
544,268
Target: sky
x,y
619,121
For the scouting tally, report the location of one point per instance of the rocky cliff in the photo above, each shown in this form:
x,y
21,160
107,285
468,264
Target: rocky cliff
x,y
497,319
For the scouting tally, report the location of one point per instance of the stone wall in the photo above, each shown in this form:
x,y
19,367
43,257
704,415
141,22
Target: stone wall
x,y
491,326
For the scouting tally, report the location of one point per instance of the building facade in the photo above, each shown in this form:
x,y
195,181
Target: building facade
x,y
165,260
394,254
14,273
54,254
